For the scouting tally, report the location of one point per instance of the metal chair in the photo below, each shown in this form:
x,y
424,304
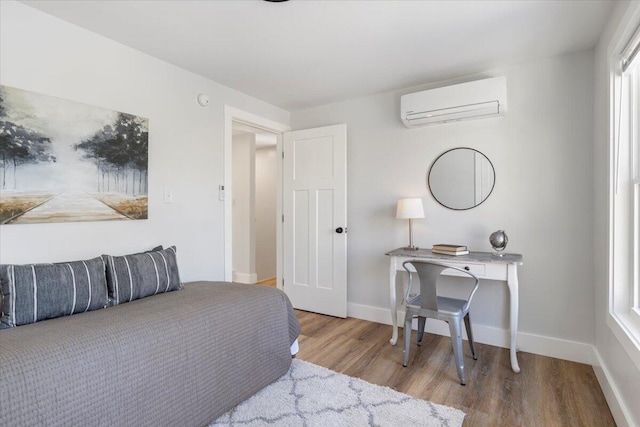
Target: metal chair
x,y
429,305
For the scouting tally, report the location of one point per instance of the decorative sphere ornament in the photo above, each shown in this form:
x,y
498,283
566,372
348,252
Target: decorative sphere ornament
x,y
498,240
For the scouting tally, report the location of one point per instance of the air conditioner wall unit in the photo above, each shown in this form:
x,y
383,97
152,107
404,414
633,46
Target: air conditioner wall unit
x,y
472,100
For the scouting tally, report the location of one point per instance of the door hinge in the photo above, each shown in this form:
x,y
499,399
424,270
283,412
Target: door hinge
x,y
283,154
283,283
282,218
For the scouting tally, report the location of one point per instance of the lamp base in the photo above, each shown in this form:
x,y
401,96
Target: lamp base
x,y
411,248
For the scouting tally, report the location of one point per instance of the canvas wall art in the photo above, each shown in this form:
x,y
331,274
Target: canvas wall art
x,y
63,161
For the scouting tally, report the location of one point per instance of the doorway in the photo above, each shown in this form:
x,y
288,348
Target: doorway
x,y
254,204
311,241
252,124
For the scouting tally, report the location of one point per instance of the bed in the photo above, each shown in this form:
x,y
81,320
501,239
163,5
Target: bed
x,y
177,358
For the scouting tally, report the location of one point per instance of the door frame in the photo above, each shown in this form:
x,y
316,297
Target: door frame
x,y
232,114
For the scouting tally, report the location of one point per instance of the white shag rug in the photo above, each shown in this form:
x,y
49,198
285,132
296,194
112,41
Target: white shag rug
x,y
310,395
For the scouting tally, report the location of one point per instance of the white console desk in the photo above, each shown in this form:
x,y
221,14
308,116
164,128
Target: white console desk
x,y
485,265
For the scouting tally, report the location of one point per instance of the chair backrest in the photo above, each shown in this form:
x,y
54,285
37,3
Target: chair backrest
x,y
428,273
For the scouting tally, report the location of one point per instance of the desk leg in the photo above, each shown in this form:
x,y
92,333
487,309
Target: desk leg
x,y
393,301
512,281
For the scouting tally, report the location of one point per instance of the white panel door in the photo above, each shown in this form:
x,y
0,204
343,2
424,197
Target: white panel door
x,y
315,219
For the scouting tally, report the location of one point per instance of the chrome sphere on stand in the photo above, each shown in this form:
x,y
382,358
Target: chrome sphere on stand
x,y
498,240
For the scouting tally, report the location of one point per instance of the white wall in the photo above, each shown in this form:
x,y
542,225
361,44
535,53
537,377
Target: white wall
x,y
266,198
619,376
543,197
243,210
43,54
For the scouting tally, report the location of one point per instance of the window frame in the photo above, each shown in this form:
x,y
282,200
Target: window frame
x,y
624,206
634,113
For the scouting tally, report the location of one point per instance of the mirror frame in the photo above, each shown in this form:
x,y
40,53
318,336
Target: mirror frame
x,y
438,158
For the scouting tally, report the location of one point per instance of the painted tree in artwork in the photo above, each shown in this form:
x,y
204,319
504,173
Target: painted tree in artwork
x,y
119,151
20,145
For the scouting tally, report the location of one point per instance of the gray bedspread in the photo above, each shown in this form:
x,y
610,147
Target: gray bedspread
x,y
175,359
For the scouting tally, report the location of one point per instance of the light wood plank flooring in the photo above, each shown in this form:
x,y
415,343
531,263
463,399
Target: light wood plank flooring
x,y
268,282
547,392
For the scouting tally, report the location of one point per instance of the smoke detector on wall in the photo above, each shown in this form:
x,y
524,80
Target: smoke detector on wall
x,y
202,99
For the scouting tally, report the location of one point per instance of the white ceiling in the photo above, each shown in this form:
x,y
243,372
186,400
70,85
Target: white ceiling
x,y
305,53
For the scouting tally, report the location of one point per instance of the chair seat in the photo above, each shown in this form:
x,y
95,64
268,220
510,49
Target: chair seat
x,y
445,305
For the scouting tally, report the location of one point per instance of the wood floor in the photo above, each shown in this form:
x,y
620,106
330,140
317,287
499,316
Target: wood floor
x,y
268,282
547,392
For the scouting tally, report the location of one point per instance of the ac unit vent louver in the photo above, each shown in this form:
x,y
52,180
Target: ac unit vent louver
x,y
478,99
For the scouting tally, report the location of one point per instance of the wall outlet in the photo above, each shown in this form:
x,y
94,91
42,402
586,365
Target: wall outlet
x,y
168,196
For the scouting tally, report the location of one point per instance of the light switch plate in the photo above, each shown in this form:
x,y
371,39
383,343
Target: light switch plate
x,y
168,196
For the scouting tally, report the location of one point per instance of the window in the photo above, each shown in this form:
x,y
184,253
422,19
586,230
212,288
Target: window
x,y
634,142
626,188
625,198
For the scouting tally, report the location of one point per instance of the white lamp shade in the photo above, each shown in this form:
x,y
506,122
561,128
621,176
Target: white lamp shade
x,y
410,209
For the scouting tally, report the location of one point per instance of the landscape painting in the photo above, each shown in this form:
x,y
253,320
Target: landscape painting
x,y
62,161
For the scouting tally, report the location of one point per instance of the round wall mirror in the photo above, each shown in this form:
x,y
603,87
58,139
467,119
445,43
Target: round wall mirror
x,y
461,178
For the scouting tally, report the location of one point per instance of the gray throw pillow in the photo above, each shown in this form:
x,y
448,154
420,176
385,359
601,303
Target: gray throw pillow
x,y
135,276
35,292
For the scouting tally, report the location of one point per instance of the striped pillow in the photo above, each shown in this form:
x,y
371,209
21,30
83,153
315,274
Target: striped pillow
x,y
35,292
137,276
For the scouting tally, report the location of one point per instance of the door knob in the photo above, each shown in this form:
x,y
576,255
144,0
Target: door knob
x,y
339,230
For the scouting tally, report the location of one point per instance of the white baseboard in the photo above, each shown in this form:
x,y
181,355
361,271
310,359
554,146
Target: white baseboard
x,y
248,278
531,343
619,410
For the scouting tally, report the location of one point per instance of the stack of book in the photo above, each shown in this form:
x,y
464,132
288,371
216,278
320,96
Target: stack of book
x,y
447,249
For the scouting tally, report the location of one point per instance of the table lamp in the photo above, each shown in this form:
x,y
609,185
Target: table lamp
x,y
410,209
